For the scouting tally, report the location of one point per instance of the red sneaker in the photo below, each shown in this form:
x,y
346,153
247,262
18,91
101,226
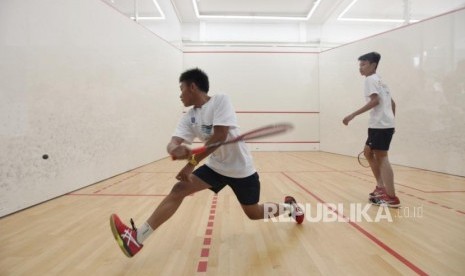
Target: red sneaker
x,y
125,236
386,200
379,191
296,212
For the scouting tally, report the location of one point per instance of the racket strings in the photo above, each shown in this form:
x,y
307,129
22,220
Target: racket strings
x,y
362,160
266,131
254,134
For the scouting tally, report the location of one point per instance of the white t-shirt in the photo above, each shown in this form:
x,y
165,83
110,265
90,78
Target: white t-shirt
x,y
381,116
232,160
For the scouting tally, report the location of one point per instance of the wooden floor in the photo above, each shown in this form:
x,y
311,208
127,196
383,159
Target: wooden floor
x,y
209,235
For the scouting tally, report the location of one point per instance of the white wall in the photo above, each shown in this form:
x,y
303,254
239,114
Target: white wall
x,y
424,66
267,87
291,34
85,85
337,33
246,32
169,28
99,94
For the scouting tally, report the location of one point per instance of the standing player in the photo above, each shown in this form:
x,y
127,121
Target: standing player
x,y
211,119
380,130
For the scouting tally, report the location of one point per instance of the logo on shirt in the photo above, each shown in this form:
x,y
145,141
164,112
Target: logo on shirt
x,y
206,129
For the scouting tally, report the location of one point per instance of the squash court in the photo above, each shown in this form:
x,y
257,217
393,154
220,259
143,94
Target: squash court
x,y
210,235
90,95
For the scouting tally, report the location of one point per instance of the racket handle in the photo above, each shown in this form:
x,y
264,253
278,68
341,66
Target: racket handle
x,y
194,151
199,150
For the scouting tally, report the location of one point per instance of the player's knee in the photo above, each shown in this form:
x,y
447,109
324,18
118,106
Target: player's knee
x,y
253,214
180,190
368,153
380,154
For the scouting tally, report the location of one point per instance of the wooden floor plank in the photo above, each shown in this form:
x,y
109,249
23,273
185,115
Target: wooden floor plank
x,y
70,235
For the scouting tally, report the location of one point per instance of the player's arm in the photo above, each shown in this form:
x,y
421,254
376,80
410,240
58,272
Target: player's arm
x,y
374,101
176,149
220,134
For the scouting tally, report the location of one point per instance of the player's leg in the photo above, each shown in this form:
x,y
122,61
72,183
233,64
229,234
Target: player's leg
x,y
380,142
130,239
370,156
271,209
173,200
247,191
385,170
261,211
380,149
389,198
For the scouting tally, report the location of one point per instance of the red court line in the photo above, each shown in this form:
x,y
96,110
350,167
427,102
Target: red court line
x,y
364,174
247,52
207,241
283,142
273,112
202,266
407,194
420,190
117,182
278,112
205,251
391,251
274,142
100,194
429,192
365,180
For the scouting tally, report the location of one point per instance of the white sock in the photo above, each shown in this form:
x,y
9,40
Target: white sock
x,y
143,232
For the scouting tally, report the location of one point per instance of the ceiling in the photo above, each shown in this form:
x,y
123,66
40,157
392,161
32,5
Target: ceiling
x,y
387,13
311,11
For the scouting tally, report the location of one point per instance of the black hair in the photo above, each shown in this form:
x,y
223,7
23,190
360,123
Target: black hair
x,y
196,76
372,57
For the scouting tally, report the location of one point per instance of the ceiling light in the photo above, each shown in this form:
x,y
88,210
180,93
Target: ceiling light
x,y
341,18
288,18
148,18
161,17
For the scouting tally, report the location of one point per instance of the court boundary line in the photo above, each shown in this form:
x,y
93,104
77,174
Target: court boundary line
x,y
411,195
116,195
360,229
202,264
420,190
366,180
116,182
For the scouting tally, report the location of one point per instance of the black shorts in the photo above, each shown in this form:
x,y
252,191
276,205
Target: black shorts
x,y
379,138
247,189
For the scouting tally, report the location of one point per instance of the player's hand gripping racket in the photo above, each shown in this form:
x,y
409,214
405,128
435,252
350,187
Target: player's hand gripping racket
x,y
269,130
362,160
